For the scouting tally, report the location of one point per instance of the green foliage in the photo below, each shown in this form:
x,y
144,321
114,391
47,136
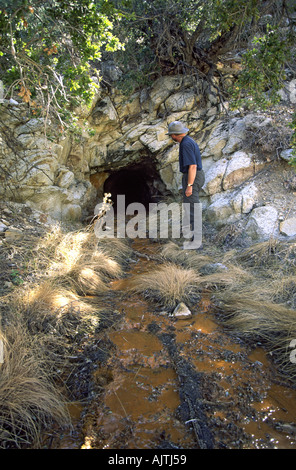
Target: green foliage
x,y
186,36
49,49
223,15
263,71
47,52
16,278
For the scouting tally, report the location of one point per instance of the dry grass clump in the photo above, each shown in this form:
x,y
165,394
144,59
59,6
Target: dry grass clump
x,y
117,249
42,322
251,315
47,245
213,275
86,264
28,399
264,307
284,290
187,258
61,254
48,307
168,286
85,279
270,253
272,323
258,253
227,277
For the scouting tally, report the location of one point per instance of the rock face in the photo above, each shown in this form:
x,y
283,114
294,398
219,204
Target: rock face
x,y
263,222
66,177
36,171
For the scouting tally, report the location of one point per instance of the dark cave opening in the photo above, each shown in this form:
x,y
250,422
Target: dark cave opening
x,y
138,183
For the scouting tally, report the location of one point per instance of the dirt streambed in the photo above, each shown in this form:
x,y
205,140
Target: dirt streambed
x,y
161,383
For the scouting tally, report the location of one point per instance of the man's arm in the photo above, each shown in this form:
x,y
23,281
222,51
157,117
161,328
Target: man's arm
x,y
191,173
191,178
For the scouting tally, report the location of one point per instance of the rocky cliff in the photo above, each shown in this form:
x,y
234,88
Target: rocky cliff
x,y
246,157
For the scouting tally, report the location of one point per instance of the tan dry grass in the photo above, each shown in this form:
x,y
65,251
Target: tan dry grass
x,y
212,275
60,253
187,258
264,318
81,262
84,279
167,286
48,306
264,306
260,254
41,324
28,399
284,289
253,314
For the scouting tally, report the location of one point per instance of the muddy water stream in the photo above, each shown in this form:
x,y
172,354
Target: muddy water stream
x,y
181,384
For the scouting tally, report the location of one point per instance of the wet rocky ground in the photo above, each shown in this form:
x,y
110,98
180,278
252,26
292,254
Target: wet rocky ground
x,y
148,381
145,380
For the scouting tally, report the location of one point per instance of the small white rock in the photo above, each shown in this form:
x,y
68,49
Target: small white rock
x,y
182,312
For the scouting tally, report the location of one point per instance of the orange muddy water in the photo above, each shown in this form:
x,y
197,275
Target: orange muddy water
x,y
137,402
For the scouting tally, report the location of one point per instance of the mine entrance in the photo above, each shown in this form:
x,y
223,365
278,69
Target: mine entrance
x,y
138,183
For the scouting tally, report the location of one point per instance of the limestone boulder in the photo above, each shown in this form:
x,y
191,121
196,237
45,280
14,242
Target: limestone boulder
x,y
287,154
77,162
30,127
288,92
116,151
41,175
30,168
134,133
214,177
12,114
64,203
226,174
48,200
249,196
241,167
80,193
263,223
230,206
127,107
256,121
288,227
161,90
96,156
236,136
181,101
171,155
224,210
216,142
65,178
181,312
155,138
171,177
104,113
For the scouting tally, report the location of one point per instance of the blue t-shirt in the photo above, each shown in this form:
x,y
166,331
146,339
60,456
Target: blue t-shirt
x,y
189,154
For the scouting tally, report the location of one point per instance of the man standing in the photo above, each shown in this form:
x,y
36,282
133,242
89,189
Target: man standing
x,y
190,165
